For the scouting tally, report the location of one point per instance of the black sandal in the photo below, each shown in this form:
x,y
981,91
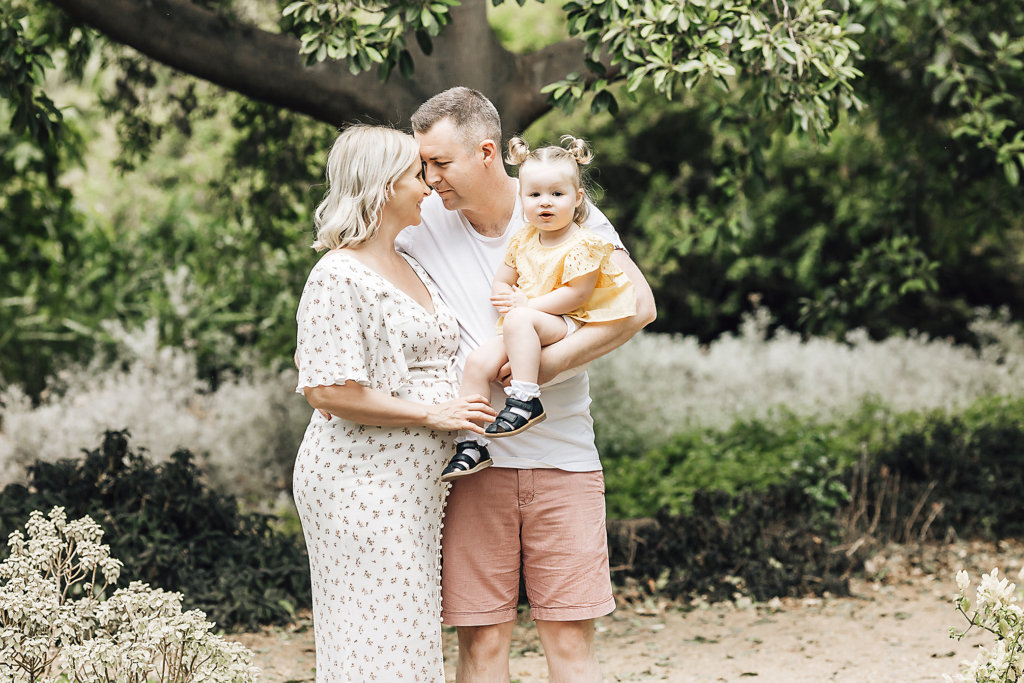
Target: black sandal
x,y
462,465
509,424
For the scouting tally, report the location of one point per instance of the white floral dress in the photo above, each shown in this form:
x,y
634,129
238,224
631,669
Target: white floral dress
x,y
369,497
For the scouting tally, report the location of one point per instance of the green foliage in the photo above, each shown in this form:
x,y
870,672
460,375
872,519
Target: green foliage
x,y
967,462
959,62
751,454
793,61
367,34
171,531
968,466
761,543
207,232
527,25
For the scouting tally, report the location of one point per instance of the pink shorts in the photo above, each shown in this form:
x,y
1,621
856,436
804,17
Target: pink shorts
x,y
549,522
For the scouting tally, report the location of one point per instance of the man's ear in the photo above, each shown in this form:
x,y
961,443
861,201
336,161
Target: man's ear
x,y
489,151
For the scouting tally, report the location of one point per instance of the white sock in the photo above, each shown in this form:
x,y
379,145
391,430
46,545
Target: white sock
x,y
523,391
477,440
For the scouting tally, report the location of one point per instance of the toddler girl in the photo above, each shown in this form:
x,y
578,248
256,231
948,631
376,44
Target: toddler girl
x,y
556,277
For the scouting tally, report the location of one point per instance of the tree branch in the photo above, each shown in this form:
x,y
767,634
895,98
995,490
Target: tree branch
x,y
267,66
259,64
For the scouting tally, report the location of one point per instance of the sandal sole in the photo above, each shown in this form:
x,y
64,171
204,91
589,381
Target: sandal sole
x,y
458,474
535,421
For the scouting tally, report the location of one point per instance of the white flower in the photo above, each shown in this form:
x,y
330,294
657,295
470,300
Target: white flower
x,y
994,592
137,634
963,580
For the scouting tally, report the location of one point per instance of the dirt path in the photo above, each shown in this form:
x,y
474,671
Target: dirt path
x,y
893,628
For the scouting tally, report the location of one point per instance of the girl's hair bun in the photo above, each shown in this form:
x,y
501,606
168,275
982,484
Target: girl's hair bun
x,y
578,148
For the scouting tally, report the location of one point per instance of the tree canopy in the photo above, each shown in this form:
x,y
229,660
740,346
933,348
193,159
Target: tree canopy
x,y
319,57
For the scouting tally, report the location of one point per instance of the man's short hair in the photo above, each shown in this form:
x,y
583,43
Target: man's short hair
x,y
472,114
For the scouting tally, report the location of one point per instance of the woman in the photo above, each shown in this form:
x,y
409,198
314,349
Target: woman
x,y
375,350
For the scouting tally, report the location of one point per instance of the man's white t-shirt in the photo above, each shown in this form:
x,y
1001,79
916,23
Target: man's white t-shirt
x,y
463,262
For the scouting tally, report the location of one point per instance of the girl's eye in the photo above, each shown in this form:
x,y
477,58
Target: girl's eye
x,y
558,194
534,194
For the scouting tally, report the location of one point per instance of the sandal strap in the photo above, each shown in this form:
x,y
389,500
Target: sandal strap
x,y
513,401
509,421
463,462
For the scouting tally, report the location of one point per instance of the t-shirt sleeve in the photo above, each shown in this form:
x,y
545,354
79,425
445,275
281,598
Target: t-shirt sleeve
x,y
341,336
599,224
584,257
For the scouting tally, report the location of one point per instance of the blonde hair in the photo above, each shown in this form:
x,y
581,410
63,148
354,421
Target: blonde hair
x,y
472,114
574,150
362,168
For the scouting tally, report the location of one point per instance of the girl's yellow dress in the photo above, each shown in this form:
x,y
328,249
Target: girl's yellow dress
x,y
542,269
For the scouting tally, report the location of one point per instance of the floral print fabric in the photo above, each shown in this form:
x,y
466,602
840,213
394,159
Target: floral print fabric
x,y
369,497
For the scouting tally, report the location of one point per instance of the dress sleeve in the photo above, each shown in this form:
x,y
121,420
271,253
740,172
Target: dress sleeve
x,y
585,256
512,250
342,336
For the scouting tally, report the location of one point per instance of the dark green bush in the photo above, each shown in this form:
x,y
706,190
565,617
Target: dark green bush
x,y
950,475
750,454
765,543
173,532
764,508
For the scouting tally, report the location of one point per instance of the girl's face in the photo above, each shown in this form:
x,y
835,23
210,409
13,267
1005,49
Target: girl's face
x,y
549,193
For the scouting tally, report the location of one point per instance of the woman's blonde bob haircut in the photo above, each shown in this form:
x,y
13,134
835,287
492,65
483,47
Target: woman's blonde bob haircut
x,y
362,168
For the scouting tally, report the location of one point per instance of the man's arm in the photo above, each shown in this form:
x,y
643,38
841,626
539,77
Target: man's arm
x,y
594,340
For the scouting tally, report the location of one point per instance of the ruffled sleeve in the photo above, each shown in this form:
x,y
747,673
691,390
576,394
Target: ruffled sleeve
x,y
512,250
586,256
342,334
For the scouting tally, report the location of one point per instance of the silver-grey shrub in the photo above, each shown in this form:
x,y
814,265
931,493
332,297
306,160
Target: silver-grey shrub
x,y
246,431
657,385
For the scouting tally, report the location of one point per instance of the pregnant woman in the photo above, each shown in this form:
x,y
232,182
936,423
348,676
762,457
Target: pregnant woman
x,y
374,351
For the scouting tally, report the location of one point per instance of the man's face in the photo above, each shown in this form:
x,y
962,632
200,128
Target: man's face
x,y
453,168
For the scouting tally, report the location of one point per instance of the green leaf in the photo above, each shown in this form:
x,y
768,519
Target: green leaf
x,y
405,65
1012,173
294,7
425,43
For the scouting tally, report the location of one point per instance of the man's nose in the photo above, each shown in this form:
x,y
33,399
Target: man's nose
x,y
432,176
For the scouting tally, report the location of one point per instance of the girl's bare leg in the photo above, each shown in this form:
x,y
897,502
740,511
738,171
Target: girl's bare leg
x,y
525,331
482,366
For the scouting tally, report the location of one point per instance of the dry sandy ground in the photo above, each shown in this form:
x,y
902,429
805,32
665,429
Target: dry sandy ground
x,y
894,627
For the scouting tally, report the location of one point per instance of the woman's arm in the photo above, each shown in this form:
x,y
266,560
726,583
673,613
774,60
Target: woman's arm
x,y
596,339
357,403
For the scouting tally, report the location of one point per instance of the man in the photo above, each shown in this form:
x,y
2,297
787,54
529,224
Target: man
x,y
540,508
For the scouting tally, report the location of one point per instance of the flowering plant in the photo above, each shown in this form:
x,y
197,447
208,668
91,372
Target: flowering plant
x,y
57,623
996,610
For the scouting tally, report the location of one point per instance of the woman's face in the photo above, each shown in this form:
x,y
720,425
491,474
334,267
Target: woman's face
x,y
403,209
